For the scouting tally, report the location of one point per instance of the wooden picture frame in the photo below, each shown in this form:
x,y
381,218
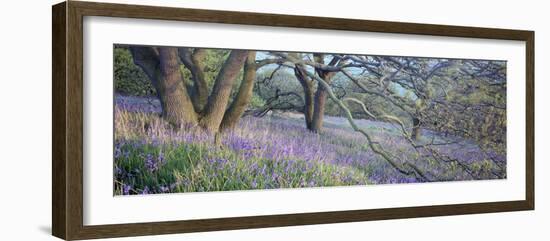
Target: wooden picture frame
x,y
67,150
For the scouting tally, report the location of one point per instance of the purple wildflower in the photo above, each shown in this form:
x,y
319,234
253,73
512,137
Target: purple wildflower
x,y
153,164
126,189
145,190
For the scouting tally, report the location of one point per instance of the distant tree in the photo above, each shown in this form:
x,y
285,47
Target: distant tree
x,y
314,96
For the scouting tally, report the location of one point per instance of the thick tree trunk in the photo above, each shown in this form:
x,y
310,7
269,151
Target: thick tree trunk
x,y
194,62
321,95
309,106
307,86
179,109
147,58
319,109
162,67
217,101
241,101
415,135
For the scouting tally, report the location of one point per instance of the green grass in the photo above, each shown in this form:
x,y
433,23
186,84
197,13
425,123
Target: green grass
x,y
200,167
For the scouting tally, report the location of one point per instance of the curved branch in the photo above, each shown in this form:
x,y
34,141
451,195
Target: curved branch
x,y
412,169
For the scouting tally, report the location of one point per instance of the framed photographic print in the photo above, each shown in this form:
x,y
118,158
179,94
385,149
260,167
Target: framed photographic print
x,y
171,120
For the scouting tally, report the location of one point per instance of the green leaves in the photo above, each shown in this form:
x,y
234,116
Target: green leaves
x,y
129,79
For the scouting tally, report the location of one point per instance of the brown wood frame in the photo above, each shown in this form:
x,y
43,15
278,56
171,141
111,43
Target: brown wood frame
x,y
67,123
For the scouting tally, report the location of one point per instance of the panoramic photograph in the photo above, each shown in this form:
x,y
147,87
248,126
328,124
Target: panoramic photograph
x,y
190,119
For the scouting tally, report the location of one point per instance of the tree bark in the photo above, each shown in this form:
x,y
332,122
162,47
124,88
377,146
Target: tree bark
x,y
194,62
162,67
319,109
217,101
241,101
179,109
320,95
307,86
147,58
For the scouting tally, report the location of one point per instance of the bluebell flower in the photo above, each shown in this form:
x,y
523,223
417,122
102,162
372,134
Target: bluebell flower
x,y
126,189
145,190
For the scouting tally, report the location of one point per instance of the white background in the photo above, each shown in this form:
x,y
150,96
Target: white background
x,y
25,124
100,207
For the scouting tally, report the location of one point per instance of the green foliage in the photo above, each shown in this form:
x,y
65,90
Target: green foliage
x,y
213,63
256,101
129,79
187,77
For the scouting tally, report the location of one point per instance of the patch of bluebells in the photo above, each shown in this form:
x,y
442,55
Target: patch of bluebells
x,y
153,163
119,152
266,152
218,162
